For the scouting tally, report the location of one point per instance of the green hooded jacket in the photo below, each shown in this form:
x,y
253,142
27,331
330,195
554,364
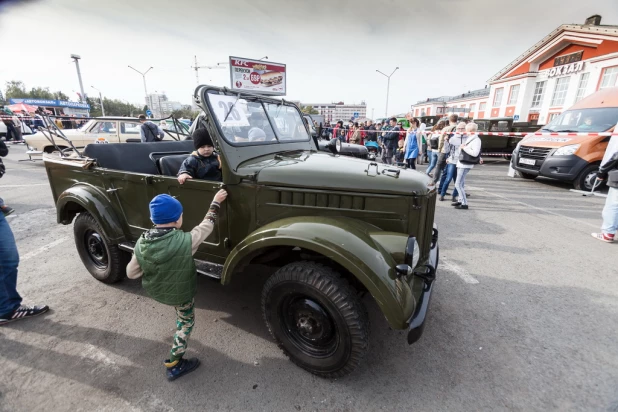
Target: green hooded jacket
x,y
170,276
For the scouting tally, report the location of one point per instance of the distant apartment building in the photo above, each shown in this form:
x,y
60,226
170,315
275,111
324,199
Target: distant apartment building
x,y
340,110
161,106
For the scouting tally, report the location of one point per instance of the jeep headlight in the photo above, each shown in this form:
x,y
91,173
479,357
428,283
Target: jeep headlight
x,y
567,150
412,252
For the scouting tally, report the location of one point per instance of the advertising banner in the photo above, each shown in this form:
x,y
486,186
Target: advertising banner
x,y
257,76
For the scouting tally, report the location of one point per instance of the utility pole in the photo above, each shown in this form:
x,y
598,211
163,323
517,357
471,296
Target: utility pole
x,y
101,99
145,89
76,58
388,86
196,67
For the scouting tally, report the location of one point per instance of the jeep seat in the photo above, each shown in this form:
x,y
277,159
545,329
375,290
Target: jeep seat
x,y
133,157
169,165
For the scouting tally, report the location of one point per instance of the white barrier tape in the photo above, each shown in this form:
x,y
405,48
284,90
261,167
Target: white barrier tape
x,y
572,134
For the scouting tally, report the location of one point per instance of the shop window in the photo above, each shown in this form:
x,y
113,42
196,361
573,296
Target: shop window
x,y
581,87
513,95
472,107
560,91
551,116
608,78
498,97
537,98
482,106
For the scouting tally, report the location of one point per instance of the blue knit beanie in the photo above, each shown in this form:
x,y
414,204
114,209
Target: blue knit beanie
x,y
164,209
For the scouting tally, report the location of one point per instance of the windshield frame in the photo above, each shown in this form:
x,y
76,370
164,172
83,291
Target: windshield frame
x,y
235,156
585,113
262,100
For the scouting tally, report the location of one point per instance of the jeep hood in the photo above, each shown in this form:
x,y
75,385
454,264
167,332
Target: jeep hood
x,y
329,172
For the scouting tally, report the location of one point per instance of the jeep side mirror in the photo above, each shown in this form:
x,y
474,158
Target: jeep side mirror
x,y
335,146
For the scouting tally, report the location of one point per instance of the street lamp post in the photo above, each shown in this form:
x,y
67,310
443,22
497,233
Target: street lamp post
x,y
144,78
388,86
101,99
76,58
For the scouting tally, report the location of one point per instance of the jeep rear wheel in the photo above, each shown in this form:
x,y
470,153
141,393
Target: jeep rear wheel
x,y
105,262
316,318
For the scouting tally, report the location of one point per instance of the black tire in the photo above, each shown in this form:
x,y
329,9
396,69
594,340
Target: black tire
x,y
105,262
526,175
585,180
316,318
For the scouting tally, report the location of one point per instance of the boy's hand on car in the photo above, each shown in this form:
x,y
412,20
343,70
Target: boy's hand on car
x,y
220,196
183,177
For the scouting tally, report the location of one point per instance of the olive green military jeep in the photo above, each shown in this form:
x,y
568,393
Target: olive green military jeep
x,y
333,227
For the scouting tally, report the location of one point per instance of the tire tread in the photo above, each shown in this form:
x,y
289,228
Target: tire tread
x,y
341,294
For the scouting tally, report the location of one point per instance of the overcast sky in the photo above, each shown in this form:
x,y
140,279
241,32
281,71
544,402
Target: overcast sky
x,y
332,48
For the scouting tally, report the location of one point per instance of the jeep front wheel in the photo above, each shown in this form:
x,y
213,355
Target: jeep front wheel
x,y
316,318
105,262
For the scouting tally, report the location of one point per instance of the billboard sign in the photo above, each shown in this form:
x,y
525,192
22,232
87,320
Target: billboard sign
x,y
257,76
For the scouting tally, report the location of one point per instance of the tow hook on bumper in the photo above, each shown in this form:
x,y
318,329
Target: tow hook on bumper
x,y
428,274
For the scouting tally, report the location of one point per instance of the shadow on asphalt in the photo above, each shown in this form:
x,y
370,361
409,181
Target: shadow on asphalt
x,y
453,360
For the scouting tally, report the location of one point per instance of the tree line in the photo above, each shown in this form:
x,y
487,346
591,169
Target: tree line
x,y
15,89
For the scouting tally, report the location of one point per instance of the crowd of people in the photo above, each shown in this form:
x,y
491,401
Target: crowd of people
x,y
20,124
451,148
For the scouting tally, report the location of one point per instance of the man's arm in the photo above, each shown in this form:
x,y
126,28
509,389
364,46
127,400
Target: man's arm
x,y
612,163
142,135
161,133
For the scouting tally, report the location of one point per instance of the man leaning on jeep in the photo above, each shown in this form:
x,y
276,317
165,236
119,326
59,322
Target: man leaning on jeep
x,y
149,132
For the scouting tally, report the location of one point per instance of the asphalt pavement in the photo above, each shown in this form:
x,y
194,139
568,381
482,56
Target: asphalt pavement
x,y
524,317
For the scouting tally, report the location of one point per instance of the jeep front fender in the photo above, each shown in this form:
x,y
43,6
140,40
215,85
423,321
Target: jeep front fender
x,y
362,249
96,203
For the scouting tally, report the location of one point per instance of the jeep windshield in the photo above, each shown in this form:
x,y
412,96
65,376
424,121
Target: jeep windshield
x,y
584,120
249,120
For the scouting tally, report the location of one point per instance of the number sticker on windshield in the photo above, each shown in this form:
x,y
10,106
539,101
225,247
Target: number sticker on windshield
x,y
222,105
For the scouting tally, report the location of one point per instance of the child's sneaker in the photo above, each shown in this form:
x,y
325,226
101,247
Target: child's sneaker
x,y
7,210
23,312
605,237
181,367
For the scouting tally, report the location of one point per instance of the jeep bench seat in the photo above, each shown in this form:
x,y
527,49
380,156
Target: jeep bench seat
x,y
170,165
134,157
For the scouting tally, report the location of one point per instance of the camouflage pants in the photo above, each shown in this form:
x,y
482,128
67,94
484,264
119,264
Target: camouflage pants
x,y
185,319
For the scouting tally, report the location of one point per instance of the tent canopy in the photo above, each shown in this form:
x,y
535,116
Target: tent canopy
x,y
22,107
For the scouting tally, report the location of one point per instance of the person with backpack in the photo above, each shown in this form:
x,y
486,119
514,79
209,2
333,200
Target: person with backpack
x,y
450,171
469,155
433,147
149,132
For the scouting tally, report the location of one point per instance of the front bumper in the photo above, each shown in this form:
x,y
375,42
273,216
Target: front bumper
x,y
417,320
557,167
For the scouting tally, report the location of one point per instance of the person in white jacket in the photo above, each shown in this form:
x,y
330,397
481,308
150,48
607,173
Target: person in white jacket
x,y
472,146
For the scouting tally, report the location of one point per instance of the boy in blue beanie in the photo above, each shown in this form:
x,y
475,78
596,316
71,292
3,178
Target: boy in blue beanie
x,y
163,257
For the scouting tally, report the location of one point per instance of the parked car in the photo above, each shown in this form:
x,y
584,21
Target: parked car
x,y
574,159
98,130
502,144
332,228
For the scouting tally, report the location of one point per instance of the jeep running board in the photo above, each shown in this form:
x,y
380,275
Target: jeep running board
x,y
208,269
